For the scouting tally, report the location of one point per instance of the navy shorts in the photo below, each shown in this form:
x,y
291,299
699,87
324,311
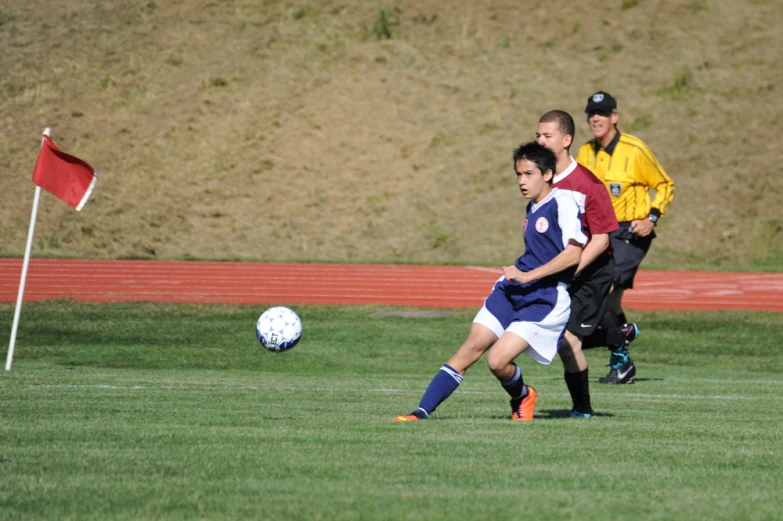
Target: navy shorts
x,y
536,312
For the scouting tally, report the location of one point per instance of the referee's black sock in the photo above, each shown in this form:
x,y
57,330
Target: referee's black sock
x,y
607,334
579,387
597,339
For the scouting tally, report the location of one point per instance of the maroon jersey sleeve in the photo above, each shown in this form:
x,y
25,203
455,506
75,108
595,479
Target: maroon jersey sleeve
x,y
598,206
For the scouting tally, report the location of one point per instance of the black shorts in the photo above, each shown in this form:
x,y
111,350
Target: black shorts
x,y
588,295
629,250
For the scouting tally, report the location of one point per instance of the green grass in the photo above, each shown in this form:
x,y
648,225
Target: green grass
x,y
142,411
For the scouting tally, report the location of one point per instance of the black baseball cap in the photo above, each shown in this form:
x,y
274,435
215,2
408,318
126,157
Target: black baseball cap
x,y
602,102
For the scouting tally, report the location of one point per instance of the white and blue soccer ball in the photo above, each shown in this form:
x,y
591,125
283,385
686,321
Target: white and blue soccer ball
x,y
279,329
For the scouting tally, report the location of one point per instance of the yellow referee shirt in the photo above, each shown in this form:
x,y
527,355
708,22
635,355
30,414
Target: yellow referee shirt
x,y
629,170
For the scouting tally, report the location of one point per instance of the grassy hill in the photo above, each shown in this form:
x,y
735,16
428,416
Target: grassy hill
x,y
353,130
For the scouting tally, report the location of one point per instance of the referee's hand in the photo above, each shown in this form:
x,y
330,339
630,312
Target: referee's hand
x,y
642,227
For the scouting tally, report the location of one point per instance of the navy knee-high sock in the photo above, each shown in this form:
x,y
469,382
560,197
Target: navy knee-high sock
x,y
515,386
440,388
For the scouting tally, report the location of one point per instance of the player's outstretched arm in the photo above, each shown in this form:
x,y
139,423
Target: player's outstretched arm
x,y
565,259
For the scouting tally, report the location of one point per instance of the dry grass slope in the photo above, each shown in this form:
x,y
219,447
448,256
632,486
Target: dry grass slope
x,y
295,130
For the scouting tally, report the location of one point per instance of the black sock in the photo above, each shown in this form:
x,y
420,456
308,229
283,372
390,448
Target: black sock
x,y
607,334
596,339
579,387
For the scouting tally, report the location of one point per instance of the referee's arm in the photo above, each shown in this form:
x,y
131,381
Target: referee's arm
x,y
656,178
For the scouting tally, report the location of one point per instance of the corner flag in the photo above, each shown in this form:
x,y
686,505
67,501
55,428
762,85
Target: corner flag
x,y
65,176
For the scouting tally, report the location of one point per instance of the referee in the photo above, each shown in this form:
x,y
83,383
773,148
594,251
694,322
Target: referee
x,y
641,191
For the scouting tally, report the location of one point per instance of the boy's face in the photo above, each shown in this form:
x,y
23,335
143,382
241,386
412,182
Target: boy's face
x,y
549,135
532,183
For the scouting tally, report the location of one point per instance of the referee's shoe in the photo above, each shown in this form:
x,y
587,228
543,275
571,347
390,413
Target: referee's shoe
x,y
620,375
622,369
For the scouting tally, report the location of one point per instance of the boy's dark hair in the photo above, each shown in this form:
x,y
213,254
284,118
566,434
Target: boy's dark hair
x,y
565,123
544,158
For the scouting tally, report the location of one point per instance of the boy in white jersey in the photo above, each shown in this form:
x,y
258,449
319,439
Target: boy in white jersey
x,y
529,306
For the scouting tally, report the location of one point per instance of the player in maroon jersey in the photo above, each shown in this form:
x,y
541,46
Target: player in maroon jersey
x,y
593,279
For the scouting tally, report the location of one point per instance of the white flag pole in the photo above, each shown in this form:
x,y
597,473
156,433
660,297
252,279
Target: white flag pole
x,y
25,264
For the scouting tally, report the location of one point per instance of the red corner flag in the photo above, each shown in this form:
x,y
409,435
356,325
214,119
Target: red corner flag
x,y
65,176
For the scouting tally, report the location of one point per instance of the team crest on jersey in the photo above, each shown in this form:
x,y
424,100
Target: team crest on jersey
x,y
542,225
598,98
615,189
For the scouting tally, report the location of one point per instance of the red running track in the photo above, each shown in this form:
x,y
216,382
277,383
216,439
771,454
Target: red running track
x,y
402,285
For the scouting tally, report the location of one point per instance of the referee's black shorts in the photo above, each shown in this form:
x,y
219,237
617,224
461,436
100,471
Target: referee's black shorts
x,y
629,250
588,295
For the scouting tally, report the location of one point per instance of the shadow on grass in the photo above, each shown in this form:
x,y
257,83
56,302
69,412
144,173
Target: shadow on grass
x,y
599,385
555,414
559,414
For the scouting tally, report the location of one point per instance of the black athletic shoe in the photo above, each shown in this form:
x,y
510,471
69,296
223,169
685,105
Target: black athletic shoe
x,y
620,375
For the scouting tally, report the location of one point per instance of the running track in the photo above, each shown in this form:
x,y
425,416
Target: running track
x,y
402,285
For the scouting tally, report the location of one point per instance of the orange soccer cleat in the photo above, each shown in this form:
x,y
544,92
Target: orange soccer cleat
x,y
522,410
415,416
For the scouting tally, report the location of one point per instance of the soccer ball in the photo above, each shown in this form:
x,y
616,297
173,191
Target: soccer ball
x,y
278,329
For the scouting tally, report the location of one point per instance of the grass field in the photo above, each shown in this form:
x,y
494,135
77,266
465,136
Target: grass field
x,y
140,411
